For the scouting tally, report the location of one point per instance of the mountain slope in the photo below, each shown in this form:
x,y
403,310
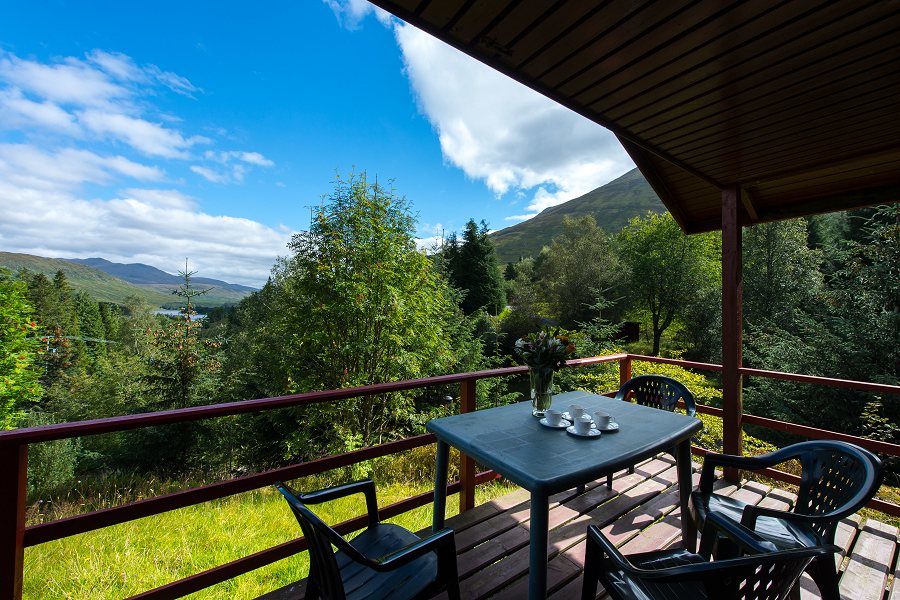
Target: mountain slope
x,y
141,274
104,287
612,205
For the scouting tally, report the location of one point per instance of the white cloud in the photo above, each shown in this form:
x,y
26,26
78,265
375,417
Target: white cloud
x,y
230,172
150,138
351,13
157,227
75,131
18,111
498,131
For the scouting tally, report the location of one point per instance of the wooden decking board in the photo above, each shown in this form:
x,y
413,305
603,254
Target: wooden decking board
x,y
639,514
871,561
844,537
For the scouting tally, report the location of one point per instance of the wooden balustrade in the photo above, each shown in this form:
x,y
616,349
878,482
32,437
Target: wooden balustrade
x,y
15,536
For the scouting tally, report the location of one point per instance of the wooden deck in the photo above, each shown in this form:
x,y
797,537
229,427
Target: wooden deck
x,y
638,514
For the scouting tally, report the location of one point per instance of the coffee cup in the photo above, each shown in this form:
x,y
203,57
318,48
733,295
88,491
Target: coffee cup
x,y
583,424
602,420
553,416
575,410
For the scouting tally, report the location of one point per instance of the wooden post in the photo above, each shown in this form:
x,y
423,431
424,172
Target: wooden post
x,y
732,308
467,395
13,466
624,370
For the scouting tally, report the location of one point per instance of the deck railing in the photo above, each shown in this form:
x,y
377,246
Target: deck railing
x,y
15,536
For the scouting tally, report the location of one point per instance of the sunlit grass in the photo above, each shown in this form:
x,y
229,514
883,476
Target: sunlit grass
x,y
130,558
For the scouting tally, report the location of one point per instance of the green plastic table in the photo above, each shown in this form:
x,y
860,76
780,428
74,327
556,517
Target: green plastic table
x,y
544,461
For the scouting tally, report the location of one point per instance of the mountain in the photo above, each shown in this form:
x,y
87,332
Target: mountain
x,y
141,274
105,287
612,205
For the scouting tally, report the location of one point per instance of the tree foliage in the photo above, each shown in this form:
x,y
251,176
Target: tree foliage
x,y
666,268
19,360
472,267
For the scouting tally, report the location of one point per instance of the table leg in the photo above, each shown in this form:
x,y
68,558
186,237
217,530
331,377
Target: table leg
x,y
440,486
537,563
685,483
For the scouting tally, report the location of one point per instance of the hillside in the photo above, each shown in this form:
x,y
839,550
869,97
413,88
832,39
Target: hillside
x,y
612,205
154,280
108,288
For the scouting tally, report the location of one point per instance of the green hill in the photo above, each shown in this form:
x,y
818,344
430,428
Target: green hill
x,y
106,288
612,205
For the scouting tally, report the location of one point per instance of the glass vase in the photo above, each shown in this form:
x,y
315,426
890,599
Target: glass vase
x,y
541,390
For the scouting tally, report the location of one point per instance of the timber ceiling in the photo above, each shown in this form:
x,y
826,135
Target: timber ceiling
x,y
794,101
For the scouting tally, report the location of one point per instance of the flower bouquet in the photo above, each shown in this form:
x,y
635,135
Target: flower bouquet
x,y
544,353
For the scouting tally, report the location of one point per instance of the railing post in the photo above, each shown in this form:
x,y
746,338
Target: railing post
x,y
467,396
14,467
732,335
624,370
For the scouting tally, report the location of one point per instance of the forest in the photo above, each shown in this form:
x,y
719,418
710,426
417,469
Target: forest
x,y
354,302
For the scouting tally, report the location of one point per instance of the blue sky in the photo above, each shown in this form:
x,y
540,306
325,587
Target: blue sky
x,y
151,132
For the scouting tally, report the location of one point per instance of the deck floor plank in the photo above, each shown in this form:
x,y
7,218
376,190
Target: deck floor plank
x,y
871,561
639,513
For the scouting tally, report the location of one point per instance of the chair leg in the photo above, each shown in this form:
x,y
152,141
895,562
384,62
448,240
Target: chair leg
x,y
707,542
609,479
824,574
580,489
591,572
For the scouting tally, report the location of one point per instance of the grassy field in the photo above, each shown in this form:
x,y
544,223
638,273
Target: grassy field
x,y
133,557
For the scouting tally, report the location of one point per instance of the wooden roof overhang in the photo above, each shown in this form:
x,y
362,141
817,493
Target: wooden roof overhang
x,y
797,102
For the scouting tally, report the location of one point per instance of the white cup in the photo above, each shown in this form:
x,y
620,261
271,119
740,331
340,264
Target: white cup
x,y
575,410
553,416
583,424
602,420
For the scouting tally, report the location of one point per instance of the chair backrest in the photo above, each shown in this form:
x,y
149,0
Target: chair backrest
x,y
836,476
758,577
324,575
658,391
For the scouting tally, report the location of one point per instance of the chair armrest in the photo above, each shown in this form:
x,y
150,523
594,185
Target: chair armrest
x,y
748,463
365,487
443,543
747,540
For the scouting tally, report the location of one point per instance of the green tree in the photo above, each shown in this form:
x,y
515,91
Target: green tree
x,y
576,269
356,304
666,268
19,365
781,273
473,268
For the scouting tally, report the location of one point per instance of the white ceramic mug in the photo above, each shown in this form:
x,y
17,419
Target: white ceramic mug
x,y
602,420
583,424
575,410
553,416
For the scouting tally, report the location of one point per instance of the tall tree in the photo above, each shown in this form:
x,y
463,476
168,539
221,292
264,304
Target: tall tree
x,y
473,269
577,269
359,304
781,273
19,367
666,268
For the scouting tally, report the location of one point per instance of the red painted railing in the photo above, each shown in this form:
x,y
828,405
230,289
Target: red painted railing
x,y
15,536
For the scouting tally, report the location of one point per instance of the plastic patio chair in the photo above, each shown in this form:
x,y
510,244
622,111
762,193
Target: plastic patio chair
x,y
837,479
677,573
383,562
657,391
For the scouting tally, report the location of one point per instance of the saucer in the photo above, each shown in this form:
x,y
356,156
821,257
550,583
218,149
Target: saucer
x,y
613,426
590,434
562,424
